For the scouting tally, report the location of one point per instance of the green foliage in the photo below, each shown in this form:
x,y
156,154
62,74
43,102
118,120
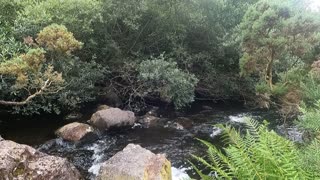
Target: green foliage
x,y
48,74
262,88
58,39
76,15
164,78
310,158
258,154
270,32
79,16
310,118
311,89
279,90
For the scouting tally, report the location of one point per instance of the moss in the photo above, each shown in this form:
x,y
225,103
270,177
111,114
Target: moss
x,y
166,171
19,170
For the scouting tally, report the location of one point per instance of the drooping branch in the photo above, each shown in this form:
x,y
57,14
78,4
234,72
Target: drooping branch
x,y
29,98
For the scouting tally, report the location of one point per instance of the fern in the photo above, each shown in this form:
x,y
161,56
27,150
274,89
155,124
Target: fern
x,y
258,154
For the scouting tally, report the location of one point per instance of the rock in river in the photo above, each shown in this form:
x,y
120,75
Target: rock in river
x,y
136,163
21,162
76,132
112,117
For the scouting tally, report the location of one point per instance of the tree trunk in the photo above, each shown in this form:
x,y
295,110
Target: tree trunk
x,y
269,71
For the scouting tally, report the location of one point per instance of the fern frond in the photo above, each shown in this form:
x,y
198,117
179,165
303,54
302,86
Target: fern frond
x,y
258,154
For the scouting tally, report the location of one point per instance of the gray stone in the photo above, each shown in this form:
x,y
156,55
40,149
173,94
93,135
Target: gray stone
x,y
112,117
135,163
20,162
76,132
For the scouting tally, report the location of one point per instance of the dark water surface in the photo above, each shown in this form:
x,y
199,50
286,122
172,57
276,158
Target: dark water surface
x,y
175,142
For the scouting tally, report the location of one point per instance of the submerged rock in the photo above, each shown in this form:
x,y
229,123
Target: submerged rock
x,y
292,133
76,132
73,116
150,121
112,117
136,163
185,122
19,161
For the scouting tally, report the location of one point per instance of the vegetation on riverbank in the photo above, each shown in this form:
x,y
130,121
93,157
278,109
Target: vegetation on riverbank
x,y
56,56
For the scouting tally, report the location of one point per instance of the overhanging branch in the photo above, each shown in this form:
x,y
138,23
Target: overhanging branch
x,y
29,98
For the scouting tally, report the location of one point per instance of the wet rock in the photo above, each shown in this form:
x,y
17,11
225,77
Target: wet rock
x,y
292,133
149,121
177,126
136,163
154,111
73,116
21,162
185,122
202,129
112,117
208,108
76,132
103,107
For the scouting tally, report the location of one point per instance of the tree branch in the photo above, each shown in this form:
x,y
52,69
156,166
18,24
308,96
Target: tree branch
x,y
29,98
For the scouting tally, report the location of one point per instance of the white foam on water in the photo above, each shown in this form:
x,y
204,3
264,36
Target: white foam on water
x,y
95,168
179,174
97,156
237,119
215,132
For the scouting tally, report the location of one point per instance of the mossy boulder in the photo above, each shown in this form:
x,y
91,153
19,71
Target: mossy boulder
x,y
136,163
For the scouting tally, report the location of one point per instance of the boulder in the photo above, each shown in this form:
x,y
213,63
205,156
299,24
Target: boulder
x,y
112,117
76,132
136,163
21,162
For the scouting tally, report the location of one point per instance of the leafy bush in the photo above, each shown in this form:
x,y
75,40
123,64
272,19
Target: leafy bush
x,y
258,154
171,83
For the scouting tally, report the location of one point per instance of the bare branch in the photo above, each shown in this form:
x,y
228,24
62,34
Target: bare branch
x,y
29,98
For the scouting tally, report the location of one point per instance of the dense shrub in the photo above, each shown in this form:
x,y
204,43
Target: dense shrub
x,y
164,78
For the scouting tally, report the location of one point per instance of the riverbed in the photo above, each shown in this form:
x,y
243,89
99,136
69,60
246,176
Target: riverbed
x,y
176,138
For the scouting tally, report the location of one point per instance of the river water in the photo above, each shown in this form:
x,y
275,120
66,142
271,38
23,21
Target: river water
x,y
175,138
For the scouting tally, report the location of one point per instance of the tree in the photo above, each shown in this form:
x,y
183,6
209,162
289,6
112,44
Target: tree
x,y
33,73
272,31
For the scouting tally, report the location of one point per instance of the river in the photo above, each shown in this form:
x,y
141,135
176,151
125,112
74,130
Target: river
x,y
176,141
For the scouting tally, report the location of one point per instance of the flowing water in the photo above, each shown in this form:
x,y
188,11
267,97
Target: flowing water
x,y
176,138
